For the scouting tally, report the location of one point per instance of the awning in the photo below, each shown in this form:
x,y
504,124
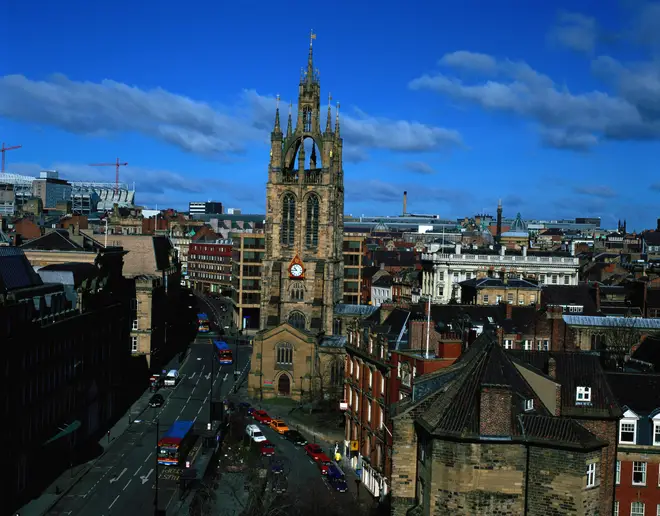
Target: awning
x,y
67,430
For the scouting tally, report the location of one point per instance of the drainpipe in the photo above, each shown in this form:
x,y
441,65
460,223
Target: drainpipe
x,y
522,427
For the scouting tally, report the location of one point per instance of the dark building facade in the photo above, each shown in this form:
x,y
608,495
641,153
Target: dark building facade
x,y
66,345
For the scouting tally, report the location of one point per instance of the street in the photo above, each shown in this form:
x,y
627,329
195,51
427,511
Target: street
x,y
123,479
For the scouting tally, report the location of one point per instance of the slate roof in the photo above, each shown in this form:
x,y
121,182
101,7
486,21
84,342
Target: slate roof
x,y
15,270
574,369
333,341
147,255
648,351
639,393
57,240
383,281
561,295
68,273
454,409
613,322
499,283
395,258
360,310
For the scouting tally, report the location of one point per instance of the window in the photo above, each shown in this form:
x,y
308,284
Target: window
x,y
567,280
312,228
284,354
135,324
508,344
529,405
583,394
637,509
406,376
509,298
616,508
591,474
307,120
134,344
297,320
656,433
297,291
288,230
485,299
627,431
368,412
554,279
618,472
370,378
639,473
382,384
543,345
527,345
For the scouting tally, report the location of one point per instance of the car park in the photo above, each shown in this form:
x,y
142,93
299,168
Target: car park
x,y
278,425
295,437
261,416
156,401
314,451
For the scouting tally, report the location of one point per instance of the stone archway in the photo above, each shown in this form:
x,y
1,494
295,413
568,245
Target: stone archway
x,y
284,385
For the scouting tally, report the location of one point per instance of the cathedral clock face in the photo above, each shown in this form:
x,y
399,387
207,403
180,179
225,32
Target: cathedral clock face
x,y
296,270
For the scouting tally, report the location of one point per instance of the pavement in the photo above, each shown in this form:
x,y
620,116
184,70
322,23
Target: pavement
x,y
122,479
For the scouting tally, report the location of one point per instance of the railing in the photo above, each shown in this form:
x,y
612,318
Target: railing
x,y
290,177
437,257
313,177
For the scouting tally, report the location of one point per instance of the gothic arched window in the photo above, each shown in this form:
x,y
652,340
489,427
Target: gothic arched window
x,y
297,320
312,229
297,291
284,353
307,120
288,219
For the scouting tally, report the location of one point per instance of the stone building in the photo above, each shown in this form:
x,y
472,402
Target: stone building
x,y
247,262
495,434
303,267
493,291
65,336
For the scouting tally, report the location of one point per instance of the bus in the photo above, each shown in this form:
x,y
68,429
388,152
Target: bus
x,y
203,323
223,353
173,447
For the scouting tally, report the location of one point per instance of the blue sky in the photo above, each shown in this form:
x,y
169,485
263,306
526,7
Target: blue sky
x,y
554,110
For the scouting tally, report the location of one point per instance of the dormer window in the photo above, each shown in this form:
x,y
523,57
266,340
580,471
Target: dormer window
x,y
529,405
583,394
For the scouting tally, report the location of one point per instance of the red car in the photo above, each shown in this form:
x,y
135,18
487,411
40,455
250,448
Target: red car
x,y
267,449
324,463
261,416
314,451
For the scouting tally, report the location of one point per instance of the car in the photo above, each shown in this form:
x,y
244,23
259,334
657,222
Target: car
x,y
276,467
323,462
278,425
156,400
295,437
336,479
251,410
279,484
261,416
254,433
314,451
244,405
266,448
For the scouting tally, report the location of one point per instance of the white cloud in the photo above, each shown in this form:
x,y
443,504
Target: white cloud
x,y
195,126
419,167
575,31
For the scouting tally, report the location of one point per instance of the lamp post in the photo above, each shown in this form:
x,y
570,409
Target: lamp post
x,y
156,479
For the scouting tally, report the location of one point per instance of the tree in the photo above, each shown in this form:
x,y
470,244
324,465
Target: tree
x,y
328,378
618,339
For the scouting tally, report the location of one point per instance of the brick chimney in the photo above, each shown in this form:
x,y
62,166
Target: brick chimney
x,y
509,310
552,373
495,414
552,368
597,297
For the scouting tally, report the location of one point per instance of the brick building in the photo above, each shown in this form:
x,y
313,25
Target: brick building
x,y
638,465
209,265
493,434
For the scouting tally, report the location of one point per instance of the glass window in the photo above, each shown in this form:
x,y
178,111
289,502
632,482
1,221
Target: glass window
x,y
312,229
288,229
639,473
618,472
134,344
583,394
637,509
285,354
627,432
591,475
656,433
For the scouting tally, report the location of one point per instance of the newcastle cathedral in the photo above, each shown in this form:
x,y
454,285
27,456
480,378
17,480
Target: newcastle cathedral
x,y
295,353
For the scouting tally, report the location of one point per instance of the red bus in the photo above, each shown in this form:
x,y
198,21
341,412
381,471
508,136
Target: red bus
x,y
173,447
223,353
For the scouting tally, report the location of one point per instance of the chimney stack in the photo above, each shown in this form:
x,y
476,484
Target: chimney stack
x,y
509,310
502,250
405,202
524,251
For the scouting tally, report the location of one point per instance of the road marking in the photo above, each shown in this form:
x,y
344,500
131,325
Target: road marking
x,y
137,471
207,376
205,399
225,377
126,485
114,479
113,502
193,375
150,454
145,478
188,400
200,409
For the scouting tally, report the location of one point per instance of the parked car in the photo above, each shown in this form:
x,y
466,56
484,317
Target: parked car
x,y
314,451
156,401
261,416
276,467
244,405
336,479
295,437
278,425
254,433
323,462
266,448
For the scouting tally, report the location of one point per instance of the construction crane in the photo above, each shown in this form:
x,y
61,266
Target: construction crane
x,y
4,149
117,164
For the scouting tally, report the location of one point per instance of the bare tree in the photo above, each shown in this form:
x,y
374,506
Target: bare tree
x,y
619,339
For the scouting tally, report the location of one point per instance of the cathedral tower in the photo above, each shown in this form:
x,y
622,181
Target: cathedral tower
x,y
303,265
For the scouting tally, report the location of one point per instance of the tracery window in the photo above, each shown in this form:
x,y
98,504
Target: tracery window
x,y
297,320
288,219
307,120
297,291
312,228
285,353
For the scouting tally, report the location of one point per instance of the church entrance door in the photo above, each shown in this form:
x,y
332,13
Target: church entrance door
x,y
284,385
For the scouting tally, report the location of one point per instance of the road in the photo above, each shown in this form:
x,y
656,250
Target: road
x,y
123,480
306,485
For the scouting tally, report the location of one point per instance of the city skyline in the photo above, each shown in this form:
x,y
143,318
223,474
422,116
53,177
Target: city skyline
x,y
447,109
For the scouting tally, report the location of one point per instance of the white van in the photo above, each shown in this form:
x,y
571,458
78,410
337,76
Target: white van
x,y
172,378
254,433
